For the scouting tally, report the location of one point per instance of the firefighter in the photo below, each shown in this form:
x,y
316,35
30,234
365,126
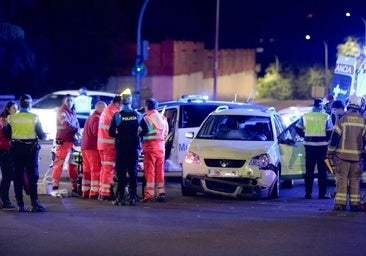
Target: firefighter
x,y
346,147
106,148
316,127
125,129
153,148
24,129
6,161
90,154
67,127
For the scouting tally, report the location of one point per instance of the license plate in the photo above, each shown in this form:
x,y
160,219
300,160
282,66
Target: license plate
x,y
222,173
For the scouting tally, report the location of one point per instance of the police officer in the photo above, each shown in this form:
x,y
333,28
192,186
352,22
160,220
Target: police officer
x,y
316,128
24,129
346,145
124,128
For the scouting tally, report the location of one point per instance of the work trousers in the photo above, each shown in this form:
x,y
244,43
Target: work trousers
x,y
7,174
154,173
62,150
91,173
25,160
314,156
107,158
126,161
348,175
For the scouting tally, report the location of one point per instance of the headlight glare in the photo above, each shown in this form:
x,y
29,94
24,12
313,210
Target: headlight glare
x,y
192,158
262,161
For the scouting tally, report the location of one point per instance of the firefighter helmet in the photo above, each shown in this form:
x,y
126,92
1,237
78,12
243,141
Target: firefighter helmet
x,y
126,97
354,102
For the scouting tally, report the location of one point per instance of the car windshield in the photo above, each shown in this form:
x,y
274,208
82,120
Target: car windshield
x,y
237,127
49,101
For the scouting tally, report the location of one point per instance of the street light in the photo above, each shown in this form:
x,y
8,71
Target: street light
x,y
139,69
348,14
326,86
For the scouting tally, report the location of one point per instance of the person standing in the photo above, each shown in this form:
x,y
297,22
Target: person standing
x,y
6,161
337,110
125,129
67,126
83,105
153,148
346,146
89,151
106,148
24,129
316,128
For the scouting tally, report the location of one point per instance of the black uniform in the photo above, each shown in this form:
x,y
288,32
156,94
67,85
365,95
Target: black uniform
x,y
124,127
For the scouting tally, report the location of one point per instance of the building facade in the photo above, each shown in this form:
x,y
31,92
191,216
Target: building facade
x,y
175,68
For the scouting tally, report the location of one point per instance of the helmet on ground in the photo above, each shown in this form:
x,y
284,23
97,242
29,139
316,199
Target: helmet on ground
x,y
126,97
354,102
25,100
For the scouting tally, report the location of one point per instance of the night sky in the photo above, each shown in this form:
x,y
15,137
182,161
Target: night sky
x,y
75,41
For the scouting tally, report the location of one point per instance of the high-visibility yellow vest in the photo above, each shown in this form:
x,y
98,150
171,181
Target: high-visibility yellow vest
x,y
23,125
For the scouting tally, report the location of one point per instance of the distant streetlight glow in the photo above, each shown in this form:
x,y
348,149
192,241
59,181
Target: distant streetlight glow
x,y
348,14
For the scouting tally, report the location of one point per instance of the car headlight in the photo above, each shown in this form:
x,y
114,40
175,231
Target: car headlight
x,y
262,161
192,158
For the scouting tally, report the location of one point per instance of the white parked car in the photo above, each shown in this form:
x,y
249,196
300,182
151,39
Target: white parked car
x,y
242,153
46,108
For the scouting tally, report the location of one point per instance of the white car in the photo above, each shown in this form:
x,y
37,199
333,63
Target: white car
x,y
46,108
241,153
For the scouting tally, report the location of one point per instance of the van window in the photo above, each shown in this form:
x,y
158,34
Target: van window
x,y
193,115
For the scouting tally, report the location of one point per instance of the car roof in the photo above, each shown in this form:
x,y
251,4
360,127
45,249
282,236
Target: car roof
x,y
245,111
76,93
229,104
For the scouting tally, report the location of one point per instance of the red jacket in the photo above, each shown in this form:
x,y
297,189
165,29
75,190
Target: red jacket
x,y
4,142
67,123
90,133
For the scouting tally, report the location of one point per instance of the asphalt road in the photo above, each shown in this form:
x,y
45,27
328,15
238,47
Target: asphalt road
x,y
202,225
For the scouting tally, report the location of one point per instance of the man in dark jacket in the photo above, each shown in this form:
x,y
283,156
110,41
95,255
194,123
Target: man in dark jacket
x,y
125,128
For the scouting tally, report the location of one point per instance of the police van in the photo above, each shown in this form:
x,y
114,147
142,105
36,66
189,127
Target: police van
x,y
185,116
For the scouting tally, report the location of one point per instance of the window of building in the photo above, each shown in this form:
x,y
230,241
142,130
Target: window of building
x,y
183,57
209,63
195,56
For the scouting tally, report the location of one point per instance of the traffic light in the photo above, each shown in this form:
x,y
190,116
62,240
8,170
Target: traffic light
x,y
139,69
145,50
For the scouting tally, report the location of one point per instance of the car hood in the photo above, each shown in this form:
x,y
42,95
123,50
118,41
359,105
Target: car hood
x,y
229,148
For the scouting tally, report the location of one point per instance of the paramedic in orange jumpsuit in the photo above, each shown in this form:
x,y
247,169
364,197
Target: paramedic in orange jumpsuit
x,y
89,151
106,148
153,148
67,126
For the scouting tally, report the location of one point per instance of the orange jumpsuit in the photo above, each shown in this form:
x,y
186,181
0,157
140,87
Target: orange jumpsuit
x,y
67,126
107,151
154,153
91,158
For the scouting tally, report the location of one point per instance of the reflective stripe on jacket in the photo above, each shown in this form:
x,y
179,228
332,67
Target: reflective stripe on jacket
x,y
158,130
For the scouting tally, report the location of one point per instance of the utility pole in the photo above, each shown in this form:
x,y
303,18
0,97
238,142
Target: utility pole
x,y
215,58
139,70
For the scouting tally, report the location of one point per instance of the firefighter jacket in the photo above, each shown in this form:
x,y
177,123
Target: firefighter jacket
x,y
348,137
124,127
158,128
24,125
104,140
67,123
315,127
4,141
90,132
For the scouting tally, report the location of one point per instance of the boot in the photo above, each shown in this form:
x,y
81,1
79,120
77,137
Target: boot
x,y
36,207
20,206
119,201
132,200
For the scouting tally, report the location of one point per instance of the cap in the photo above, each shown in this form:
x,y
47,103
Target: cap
x,y
126,92
25,98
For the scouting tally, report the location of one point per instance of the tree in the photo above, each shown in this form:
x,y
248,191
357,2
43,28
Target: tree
x,y
350,48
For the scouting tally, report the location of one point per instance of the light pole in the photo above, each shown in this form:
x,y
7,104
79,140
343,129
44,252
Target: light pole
x,y
138,59
215,57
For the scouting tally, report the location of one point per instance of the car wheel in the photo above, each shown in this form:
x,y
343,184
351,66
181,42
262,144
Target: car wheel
x,y
287,183
186,191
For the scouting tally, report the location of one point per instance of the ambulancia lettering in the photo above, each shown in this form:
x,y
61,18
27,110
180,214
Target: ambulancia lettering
x,y
344,69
